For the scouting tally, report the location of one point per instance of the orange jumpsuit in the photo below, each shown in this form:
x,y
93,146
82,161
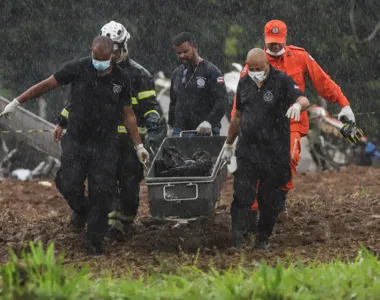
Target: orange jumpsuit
x,y
298,64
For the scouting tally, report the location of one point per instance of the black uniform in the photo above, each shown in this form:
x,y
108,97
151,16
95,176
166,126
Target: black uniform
x,y
197,95
90,146
147,111
263,149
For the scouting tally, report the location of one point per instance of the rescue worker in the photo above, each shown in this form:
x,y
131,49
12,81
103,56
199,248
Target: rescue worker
x,y
100,99
197,92
298,64
147,110
265,99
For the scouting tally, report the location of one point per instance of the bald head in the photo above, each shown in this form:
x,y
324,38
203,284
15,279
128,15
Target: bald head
x,y
257,60
256,56
102,47
103,43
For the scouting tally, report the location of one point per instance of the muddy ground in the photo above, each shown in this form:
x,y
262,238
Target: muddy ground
x,y
330,215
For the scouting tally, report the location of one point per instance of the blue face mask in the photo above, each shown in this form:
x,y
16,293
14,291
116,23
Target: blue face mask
x,y
101,65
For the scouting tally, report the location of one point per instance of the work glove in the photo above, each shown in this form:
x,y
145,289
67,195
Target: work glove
x,y
351,131
142,154
347,111
294,112
169,132
228,152
10,109
204,127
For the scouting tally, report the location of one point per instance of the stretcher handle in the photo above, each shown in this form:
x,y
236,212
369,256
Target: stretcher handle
x,y
191,131
172,197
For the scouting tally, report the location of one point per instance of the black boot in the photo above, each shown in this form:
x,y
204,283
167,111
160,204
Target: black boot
x,y
94,244
78,222
266,223
239,221
94,249
252,223
261,242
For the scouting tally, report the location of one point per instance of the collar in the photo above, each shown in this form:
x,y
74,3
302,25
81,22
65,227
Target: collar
x,y
269,76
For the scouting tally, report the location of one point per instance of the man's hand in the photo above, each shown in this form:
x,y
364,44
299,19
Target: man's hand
x,y
347,111
57,134
204,127
142,154
294,112
10,109
228,152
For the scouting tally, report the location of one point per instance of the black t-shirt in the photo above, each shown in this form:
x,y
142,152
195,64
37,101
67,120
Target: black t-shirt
x,y
96,102
197,95
264,128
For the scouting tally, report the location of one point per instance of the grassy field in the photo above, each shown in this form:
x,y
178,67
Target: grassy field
x,y
37,273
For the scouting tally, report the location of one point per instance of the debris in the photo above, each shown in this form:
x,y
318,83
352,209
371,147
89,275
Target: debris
x,y
45,183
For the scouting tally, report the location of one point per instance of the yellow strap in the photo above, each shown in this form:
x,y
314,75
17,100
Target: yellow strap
x,y
150,112
122,129
134,100
65,113
146,94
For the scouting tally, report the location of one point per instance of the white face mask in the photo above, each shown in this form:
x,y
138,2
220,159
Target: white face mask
x,y
279,53
257,76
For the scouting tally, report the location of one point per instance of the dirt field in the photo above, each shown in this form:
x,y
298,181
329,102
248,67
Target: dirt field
x,y
329,216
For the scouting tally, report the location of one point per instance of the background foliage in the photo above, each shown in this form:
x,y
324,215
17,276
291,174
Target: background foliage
x,y
38,36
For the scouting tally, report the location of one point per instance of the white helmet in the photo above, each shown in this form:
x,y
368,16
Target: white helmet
x,y
117,33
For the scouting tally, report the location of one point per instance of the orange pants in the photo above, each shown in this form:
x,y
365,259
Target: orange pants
x,y
295,156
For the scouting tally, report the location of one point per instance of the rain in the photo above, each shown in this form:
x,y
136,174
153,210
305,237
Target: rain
x,y
333,175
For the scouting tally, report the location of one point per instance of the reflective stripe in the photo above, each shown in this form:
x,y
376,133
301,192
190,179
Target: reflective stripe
x,y
142,130
134,100
150,112
146,94
122,129
65,113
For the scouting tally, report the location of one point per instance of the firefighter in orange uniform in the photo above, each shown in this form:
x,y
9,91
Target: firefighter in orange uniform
x,y
299,64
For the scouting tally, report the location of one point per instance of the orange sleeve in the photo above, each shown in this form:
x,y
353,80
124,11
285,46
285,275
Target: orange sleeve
x,y
242,74
322,82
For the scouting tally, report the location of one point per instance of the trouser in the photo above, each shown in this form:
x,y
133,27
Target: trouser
x,y
97,161
268,193
177,131
129,175
295,156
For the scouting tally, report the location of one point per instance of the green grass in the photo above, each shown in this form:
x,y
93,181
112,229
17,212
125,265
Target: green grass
x,y
39,274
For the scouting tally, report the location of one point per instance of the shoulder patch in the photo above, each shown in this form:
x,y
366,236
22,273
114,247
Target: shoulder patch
x,y
296,48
